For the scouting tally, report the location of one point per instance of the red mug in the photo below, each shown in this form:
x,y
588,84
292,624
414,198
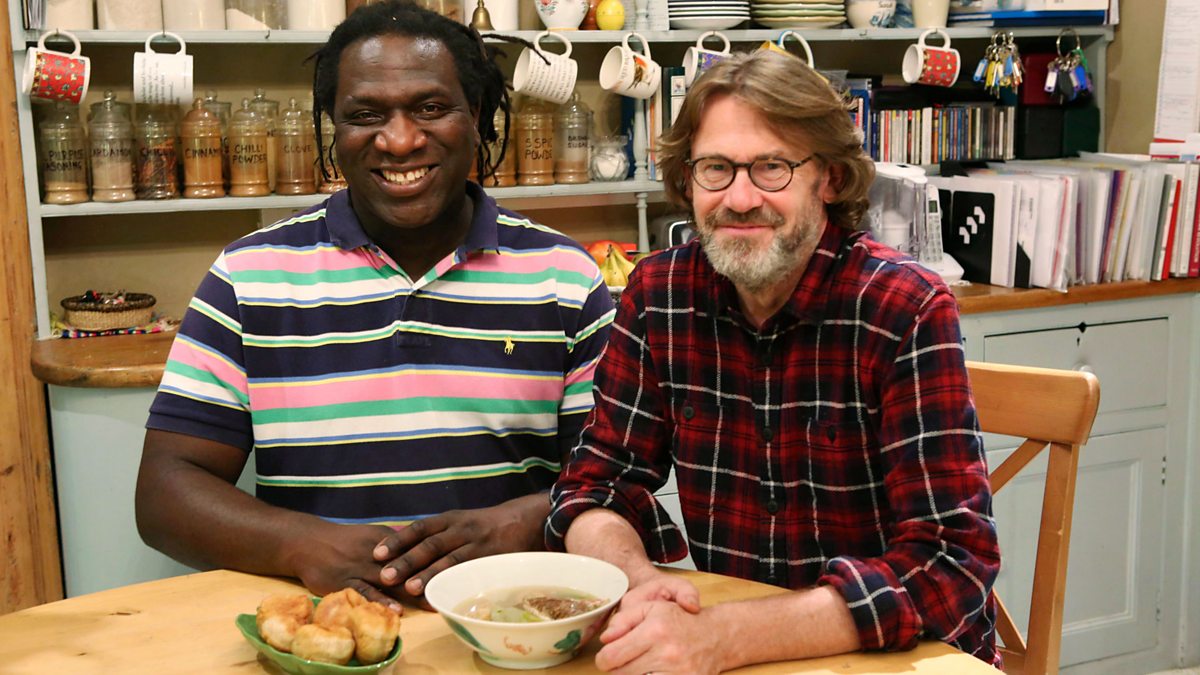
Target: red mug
x,y
926,64
56,76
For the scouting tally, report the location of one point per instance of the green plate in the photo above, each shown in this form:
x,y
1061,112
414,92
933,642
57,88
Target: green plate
x,y
290,663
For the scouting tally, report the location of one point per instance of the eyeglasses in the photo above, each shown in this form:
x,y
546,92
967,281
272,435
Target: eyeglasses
x,y
771,174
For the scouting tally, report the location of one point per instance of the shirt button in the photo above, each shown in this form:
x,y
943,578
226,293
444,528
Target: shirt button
x,y
767,434
830,433
688,412
772,507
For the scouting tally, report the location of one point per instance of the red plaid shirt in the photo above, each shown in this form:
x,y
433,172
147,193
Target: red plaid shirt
x,y
836,445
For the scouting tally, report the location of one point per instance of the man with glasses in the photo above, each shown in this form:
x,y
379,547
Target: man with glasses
x,y
808,387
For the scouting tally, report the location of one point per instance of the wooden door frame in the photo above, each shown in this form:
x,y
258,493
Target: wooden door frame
x,y
30,566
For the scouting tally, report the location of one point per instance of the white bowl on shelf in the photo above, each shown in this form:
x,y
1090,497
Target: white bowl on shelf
x,y
870,13
719,23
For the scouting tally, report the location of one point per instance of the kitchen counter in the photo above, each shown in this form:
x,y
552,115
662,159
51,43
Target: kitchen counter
x,y
138,360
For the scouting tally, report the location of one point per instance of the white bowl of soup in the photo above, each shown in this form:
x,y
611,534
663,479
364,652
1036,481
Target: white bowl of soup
x,y
527,610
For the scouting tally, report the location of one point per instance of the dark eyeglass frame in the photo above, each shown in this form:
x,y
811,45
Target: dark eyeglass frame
x,y
749,167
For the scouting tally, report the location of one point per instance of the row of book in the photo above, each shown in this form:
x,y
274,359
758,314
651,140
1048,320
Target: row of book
x,y
1094,219
913,127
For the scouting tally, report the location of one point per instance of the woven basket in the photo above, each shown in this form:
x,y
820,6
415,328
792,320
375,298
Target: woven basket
x,y
137,310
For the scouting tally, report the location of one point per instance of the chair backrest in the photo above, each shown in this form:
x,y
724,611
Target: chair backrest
x,y
1051,409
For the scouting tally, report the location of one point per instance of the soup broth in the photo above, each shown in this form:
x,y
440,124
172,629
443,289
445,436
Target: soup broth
x,y
528,604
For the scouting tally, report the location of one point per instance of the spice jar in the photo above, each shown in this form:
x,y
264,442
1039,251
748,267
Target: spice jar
x,y
222,110
111,133
255,14
297,152
315,14
329,174
157,154
63,156
200,137
535,143
609,161
505,174
247,153
179,15
268,109
572,135
129,14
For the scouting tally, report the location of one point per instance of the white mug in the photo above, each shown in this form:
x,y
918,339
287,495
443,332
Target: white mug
x,y
544,74
697,59
162,78
629,73
930,13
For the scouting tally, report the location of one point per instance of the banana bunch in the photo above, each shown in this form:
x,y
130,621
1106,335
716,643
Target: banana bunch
x,y
616,267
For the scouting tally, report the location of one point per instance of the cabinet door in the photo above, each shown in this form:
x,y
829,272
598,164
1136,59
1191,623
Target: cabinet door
x,y
1114,574
1129,358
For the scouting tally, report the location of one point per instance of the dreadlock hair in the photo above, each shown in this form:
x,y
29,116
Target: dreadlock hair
x,y
474,60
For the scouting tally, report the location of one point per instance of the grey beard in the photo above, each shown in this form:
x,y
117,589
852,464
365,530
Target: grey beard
x,y
747,268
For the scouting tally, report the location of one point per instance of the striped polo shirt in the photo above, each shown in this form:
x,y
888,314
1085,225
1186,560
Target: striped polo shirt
x,y
370,397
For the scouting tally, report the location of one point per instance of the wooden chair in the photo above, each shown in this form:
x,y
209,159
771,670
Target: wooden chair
x,y
1054,409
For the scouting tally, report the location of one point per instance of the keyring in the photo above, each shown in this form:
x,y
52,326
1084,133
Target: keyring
x,y
1063,33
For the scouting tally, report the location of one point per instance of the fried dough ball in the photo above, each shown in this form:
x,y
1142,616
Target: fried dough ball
x,y
327,645
375,629
334,609
279,616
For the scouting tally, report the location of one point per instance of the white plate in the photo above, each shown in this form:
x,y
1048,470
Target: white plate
x,y
800,6
707,14
692,23
790,22
773,11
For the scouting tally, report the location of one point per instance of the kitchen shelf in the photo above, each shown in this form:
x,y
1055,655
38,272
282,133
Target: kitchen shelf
x,y
580,36
541,196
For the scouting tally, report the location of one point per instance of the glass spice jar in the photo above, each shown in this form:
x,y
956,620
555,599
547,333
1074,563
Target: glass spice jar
x,y
255,14
64,154
330,175
157,174
609,161
297,152
268,109
200,138
505,173
111,135
572,136
222,109
535,143
247,153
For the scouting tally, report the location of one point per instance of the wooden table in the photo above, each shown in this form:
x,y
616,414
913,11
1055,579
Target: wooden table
x,y
185,625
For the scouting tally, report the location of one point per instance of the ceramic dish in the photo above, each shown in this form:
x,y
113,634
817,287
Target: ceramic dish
x,y
290,663
794,22
693,23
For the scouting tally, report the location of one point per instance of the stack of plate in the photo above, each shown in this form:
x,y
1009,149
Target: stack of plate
x,y
798,13
708,14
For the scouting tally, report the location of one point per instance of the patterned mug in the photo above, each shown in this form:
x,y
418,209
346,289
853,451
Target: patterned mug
x,y
926,64
54,75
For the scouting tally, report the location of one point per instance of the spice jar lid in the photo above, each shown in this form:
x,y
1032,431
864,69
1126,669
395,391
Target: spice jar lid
x,y
296,120
200,121
222,109
109,112
268,108
574,111
246,121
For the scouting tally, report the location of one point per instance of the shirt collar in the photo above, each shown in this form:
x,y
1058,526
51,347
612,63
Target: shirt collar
x,y
808,300
346,231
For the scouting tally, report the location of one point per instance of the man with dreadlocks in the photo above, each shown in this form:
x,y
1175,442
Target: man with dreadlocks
x,y
408,362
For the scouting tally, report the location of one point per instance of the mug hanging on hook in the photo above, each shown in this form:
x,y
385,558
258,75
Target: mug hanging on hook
x,y
1067,75
780,45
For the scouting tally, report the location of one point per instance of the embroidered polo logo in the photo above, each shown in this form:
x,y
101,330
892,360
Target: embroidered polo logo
x,y
509,345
